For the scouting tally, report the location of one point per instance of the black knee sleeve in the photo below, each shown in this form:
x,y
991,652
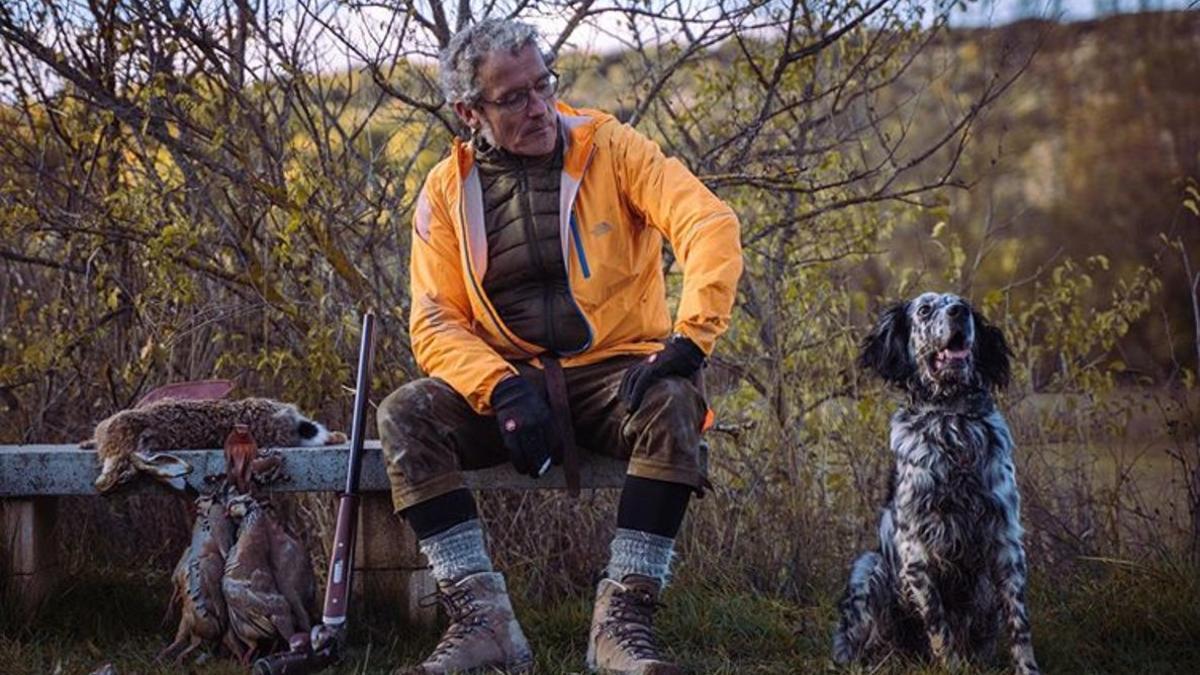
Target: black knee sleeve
x,y
441,513
653,506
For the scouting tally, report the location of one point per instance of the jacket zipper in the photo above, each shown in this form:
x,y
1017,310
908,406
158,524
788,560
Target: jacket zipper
x,y
583,263
539,264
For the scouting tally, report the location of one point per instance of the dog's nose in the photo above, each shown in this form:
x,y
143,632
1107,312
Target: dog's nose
x,y
954,311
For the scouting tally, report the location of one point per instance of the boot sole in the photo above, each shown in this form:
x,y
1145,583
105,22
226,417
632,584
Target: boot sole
x,y
508,669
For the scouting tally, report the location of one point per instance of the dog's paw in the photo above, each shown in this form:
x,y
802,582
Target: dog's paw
x,y
1024,661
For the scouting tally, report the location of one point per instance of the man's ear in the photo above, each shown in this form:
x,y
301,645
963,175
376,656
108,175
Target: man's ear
x,y
885,350
991,353
467,115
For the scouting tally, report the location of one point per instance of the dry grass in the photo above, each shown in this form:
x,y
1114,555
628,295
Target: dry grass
x,y
762,556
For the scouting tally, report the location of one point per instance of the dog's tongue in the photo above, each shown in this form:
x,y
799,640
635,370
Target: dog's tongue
x,y
954,354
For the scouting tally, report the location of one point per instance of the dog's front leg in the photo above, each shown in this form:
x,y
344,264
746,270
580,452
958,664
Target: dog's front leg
x,y
1008,566
919,589
1010,576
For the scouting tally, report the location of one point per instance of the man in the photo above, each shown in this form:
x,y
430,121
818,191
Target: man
x,y
539,313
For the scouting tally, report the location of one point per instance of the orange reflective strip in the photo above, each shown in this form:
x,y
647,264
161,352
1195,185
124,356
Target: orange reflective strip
x,y
709,418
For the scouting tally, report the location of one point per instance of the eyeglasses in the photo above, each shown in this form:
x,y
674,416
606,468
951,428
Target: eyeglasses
x,y
518,100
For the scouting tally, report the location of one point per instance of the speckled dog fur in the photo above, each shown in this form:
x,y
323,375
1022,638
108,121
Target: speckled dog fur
x,y
950,568
183,424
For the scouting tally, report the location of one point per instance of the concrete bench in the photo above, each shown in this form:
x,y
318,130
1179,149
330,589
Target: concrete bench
x,y
391,575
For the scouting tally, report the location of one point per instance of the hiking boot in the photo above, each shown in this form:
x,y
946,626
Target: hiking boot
x,y
483,635
621,641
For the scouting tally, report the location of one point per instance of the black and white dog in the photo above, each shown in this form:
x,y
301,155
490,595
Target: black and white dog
x,y
950,568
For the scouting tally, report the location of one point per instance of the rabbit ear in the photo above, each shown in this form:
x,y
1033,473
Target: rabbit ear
x,y
885,349
163,467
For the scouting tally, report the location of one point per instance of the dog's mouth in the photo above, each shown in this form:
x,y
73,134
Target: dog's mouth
x,y
956,354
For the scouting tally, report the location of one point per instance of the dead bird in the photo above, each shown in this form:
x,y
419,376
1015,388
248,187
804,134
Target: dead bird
x,y
197,579
292,566
134,440
240,451
290,562
258,611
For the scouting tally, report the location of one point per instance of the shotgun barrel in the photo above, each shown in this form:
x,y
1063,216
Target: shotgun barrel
x,y
341,561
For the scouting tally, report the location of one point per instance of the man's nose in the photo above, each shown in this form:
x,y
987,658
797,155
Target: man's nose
x,y
538,106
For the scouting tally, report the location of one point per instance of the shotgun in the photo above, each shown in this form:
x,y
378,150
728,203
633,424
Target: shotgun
x,y
322,647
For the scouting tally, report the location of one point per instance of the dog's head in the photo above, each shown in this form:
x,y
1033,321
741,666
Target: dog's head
x,y
936,345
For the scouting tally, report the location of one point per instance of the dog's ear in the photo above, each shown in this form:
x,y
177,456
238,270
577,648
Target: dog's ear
x,y
991,353
885,350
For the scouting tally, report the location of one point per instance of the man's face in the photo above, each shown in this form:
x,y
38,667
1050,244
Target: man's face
x,y
531,128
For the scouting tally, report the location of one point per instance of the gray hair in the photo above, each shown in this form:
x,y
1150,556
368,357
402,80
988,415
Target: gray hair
x,y
461,58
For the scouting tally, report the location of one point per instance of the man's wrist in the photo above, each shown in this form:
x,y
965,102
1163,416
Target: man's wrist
x,y
507,390
688,349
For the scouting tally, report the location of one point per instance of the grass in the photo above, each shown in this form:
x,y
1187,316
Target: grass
x,y
1109,617
1122,617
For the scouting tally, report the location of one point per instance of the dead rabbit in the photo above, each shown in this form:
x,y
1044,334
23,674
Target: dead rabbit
x,y
134,440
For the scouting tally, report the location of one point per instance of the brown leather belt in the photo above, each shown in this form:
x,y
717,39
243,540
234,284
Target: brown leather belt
x,y
560,407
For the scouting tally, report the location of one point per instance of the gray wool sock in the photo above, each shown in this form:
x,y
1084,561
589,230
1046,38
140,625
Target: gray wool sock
x,y
636,552
457,552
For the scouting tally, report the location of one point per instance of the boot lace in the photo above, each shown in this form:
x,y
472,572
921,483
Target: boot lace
x,y
464,616
631,622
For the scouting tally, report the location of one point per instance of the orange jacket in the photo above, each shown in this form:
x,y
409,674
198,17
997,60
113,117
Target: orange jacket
x,y
620,195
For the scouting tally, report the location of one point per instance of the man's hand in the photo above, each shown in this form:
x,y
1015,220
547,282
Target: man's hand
x,y
525,425
680,357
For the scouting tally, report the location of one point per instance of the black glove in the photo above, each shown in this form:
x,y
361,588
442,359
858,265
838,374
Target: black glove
x,y
525,425
680,357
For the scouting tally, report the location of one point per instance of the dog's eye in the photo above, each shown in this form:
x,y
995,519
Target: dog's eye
x,y
924,311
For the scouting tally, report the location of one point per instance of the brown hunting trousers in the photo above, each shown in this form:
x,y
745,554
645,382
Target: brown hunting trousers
x,y
430,434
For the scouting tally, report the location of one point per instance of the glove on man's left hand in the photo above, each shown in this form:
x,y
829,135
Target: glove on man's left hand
x,y
681,357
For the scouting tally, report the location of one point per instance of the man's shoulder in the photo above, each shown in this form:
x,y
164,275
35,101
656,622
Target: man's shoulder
x,y
442,173
607,130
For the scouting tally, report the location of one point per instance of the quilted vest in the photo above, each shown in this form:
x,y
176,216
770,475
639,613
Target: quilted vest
x,y
526,276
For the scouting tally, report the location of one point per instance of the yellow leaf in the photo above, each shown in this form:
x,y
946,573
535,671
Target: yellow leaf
x,y
113,299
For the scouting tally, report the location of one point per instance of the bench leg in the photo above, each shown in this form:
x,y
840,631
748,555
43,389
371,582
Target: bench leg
x,y
393,574
29,566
